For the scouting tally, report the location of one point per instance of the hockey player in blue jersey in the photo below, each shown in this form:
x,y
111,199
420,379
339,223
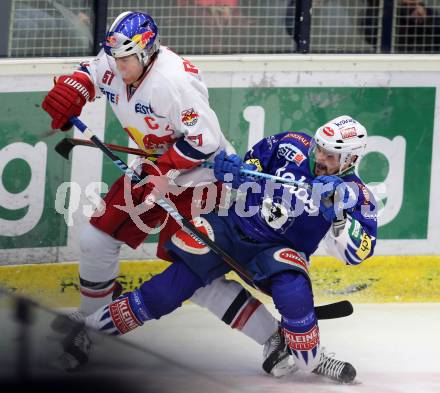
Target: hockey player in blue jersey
x,y
271,231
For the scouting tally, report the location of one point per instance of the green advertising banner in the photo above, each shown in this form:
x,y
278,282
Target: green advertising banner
x,y
30,172
400,122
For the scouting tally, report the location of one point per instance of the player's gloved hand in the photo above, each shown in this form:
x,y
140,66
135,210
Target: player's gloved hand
x,y
331,202
225,165
160,175
67,98
143,191
157,178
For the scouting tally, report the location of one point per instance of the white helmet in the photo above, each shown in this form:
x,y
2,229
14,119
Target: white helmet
x,y
132,33
344,136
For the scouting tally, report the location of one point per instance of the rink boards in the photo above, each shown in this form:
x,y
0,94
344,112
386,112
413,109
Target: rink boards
x,y
380,279
45,200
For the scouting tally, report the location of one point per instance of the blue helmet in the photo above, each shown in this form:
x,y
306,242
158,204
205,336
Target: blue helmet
x,y
132,33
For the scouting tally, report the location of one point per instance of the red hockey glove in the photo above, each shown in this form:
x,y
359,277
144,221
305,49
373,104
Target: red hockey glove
x,y
67,98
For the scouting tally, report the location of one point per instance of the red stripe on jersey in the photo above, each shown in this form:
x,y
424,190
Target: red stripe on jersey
x,y
174,159
97,294
245,314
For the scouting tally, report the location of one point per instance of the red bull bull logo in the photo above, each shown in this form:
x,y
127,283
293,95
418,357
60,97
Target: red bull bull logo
x,y
152,141
111,41
189,117
144,38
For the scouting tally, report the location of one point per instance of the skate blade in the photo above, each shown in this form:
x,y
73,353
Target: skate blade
x,y
280,372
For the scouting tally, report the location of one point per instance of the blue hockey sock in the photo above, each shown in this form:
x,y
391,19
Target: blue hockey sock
x,y
293,297
120,316
166,291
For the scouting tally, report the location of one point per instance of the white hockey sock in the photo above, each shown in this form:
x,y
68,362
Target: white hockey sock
x,y
95,295
260,325
98,268
235,306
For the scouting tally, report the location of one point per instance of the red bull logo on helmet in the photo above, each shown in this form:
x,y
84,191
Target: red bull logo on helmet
x,y
144,38
111,41
189,117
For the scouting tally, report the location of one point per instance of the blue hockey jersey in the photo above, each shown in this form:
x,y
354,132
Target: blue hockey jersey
x,y
287,214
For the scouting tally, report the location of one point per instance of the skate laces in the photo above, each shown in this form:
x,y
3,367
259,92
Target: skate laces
x,y
277,359
80,340
76,316
329,366
272,343
63,322
276,339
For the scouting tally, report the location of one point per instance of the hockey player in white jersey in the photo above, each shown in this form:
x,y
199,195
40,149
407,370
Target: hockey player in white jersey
x,y
162,103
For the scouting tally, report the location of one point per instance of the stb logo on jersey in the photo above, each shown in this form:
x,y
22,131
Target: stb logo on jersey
x,y
291,153
189,117
112,97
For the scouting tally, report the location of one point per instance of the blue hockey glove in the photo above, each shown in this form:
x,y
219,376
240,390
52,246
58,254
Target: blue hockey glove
x,y
327,207
330,183
226,165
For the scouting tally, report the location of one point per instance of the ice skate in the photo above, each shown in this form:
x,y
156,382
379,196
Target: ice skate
x,y
277,359
76,346
63,323
334,369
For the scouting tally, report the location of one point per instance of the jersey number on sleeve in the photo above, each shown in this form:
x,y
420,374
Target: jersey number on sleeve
x,y
108,77
197,139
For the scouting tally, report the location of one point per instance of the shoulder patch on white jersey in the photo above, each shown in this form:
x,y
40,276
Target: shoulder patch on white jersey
x,y
189,117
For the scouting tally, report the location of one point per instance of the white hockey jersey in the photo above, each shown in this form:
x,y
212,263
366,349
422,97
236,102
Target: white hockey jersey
x,y
168,111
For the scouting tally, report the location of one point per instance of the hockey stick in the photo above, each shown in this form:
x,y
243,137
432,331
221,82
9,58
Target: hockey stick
x,y
65,146
335,310
255,175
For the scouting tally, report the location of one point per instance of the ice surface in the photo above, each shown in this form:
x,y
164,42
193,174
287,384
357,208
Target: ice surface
x,y
394,347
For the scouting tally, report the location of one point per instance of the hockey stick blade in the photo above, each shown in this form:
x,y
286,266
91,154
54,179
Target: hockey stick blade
x,y
334,310
64,147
